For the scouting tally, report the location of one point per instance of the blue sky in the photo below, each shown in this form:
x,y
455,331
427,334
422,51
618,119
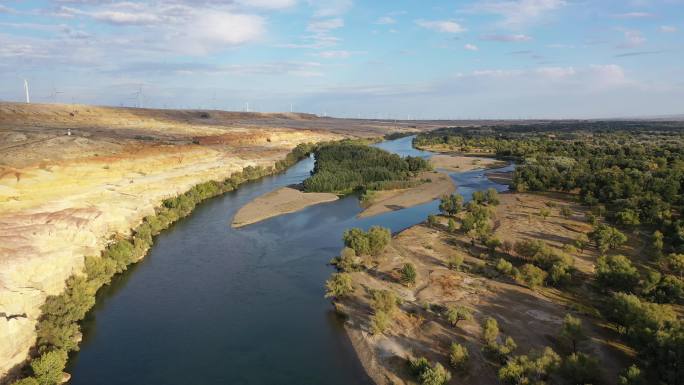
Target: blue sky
x,y
350,58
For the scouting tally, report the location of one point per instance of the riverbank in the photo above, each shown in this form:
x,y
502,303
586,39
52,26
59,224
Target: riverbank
x,y
282,201
64,197
459,163
434,186
451,272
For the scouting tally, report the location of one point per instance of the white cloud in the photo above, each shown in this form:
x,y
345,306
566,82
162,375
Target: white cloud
x,y
445,26
516,13
268,4
330,8
210,30
556,72
633,38
507,38
335,54
668,29
471,47
326,25
633,15
385,20
116,17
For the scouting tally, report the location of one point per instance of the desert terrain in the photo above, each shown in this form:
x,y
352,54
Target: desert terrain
x,y
74,177
532,317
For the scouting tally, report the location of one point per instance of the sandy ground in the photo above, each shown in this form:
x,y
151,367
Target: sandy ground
x,y
463,163
63,197
532,318
282,201
391,200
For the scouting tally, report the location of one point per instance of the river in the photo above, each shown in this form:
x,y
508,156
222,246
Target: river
x,y
215,305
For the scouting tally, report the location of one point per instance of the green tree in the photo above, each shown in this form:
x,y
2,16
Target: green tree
x,y
492,197
631,376
504,267
357,240
676,263
459,357
339,285
378,239
572,332
490,331
408,274
451,204
617,272
26,381
658,243
429,375
531,275
348,260
607,237
451,225
580,368
432,220
455,314
48,368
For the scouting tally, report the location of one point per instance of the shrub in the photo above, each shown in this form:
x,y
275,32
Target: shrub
x,y
451,225
504,267
380,322
339,285
26,381
631,376
607,237
432,220
429,375
455,261
408,274
459,357
372,242
490,331
616,272
451,204
572,332
580,368
455,314
347,260
522,370
531,275
384,301
48,368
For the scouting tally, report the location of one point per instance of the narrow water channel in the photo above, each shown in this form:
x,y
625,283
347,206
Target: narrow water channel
x,y
216,305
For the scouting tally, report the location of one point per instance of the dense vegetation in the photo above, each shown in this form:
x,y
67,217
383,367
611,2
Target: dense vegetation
x,y
58,328
348,166
631,176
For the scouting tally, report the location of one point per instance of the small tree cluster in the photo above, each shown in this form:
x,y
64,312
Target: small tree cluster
x,y
428,374
372,242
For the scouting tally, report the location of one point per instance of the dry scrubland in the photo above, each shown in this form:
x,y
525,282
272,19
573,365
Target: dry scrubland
x,y
533,318
64,197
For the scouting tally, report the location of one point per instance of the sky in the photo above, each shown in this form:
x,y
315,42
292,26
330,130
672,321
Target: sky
x,y
397,59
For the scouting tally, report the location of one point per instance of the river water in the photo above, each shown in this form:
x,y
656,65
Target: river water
x,y
215,305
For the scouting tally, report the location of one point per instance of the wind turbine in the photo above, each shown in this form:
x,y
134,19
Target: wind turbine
x,y
26,89
138,95
54,93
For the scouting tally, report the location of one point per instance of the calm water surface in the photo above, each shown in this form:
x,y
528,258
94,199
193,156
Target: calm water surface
x,y
216,305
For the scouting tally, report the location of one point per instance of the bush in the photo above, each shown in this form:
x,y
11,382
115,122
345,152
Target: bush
x,y
380,322
48,368
408,274
490,331
616,272
631,376
459,357
504,267
339,285
523,370
372,242
455,261
580,368
26,381
531,275
451,204
432,220
455,314
347,261
429,375
607,237
384,301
